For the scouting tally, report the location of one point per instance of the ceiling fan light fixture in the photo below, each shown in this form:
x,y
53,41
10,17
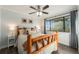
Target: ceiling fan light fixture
x,y
39,13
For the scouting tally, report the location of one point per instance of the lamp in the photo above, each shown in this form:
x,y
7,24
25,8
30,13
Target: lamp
x,y
37,28
12,28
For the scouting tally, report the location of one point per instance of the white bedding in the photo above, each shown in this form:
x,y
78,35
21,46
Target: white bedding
x,y
20,41
48,50
22,38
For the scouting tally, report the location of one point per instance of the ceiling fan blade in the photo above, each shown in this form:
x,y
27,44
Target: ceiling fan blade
x,y
33,7
44,12
45,7
32,12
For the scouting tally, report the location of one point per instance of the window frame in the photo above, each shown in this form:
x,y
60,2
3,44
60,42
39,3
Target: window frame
x,y
53,19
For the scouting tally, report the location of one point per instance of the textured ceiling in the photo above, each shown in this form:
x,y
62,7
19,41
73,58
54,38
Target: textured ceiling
x,y
53,10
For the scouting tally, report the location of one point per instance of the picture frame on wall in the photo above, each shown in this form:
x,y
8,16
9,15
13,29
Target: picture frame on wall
x,y
30,21
24,21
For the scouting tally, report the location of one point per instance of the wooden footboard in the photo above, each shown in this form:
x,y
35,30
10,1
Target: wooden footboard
x,y
49,38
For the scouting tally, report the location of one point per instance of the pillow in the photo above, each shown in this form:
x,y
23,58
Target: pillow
x,y
21,31
24,31
32,30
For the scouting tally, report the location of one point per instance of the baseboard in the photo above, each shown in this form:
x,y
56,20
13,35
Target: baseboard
x,y
3,46
68,46
63,44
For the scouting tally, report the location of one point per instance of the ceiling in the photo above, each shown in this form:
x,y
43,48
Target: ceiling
x,y
53,10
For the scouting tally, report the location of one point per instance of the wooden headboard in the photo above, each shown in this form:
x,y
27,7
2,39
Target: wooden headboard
x,y
27,29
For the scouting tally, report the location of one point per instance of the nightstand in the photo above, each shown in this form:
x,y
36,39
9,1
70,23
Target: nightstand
x,y
11,41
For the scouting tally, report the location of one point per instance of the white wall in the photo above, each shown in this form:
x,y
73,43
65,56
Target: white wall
x,y
63,38
10,17
7,17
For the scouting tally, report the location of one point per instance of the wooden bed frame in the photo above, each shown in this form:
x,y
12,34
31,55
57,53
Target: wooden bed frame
x,y
28,44
49,38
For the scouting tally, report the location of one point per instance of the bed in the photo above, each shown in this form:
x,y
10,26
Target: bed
x,y
37,43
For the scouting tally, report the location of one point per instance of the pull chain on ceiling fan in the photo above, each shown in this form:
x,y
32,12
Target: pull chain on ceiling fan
x,y
39,10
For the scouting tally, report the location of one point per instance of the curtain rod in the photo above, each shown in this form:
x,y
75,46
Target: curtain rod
x,y
61,15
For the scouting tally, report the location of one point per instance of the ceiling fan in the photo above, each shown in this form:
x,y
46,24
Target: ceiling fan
x,y
39,10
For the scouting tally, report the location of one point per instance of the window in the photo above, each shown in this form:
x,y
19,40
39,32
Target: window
x,y
57,24
67,24
61,24
48,25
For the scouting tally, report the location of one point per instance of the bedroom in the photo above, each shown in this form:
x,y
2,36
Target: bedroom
x,y
13,16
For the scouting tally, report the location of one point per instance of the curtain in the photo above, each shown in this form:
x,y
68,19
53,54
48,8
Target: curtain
x,y
74,39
